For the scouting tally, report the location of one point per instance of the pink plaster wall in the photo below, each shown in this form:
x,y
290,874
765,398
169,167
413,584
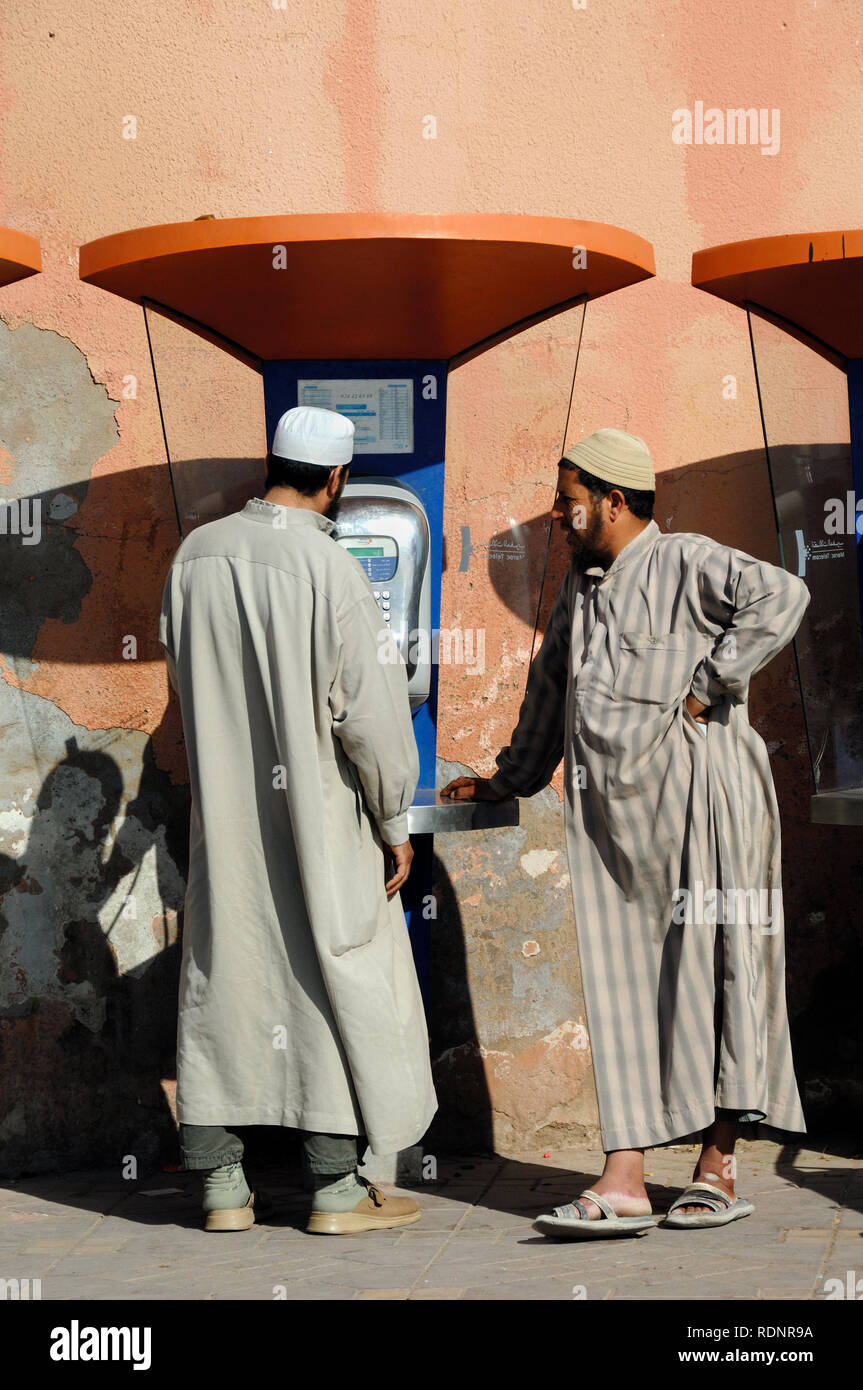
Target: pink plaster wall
x,y
544,109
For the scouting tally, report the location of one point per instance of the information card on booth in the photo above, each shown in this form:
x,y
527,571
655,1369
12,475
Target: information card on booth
x,y
382,410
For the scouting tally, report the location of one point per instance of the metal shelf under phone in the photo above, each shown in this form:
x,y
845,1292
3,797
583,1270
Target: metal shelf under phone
x,y
432,814
838,808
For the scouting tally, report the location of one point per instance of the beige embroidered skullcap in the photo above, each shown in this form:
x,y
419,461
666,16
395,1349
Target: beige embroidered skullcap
x,y
617,458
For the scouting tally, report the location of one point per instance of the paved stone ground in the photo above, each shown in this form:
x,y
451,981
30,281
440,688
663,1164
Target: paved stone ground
x,y
94,1236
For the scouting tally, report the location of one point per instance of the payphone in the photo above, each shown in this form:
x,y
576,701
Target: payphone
x,y
382,522
367,314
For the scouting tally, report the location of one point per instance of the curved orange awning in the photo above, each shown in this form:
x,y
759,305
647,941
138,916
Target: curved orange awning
x,y
19,256
364,286
815,283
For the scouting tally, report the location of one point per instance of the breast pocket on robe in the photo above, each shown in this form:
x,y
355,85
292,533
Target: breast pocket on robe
x,y
655,668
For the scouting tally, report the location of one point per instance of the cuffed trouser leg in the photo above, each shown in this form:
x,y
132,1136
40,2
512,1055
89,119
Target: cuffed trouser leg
x,y
213,1146
209,1146
330,1153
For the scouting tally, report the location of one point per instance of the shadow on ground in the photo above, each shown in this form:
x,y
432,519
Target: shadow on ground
x,y
495,1184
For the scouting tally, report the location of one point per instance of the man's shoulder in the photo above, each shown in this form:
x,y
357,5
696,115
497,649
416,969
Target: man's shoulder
x,y
692,550
694,547
210,538
307,553
719,564
687,542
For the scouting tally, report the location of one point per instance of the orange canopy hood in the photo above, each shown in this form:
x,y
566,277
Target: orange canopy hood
x,y
364,286
19,256
813,282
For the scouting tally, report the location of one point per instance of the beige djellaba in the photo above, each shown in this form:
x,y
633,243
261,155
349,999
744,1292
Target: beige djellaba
x,y
672,829
299,1001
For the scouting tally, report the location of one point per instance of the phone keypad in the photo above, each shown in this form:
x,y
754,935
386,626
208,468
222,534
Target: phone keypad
x,y
383,598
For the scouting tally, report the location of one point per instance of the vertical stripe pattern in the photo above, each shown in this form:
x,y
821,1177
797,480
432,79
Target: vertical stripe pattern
x,y
673,842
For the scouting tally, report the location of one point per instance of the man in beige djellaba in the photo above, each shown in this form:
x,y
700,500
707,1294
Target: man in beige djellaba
x,y
672,829
299,1001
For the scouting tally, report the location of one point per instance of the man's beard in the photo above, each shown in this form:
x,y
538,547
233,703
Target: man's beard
x,y
584,542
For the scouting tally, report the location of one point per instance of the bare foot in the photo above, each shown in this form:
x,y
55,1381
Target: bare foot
x,y
703,1174
715,1161
633,1202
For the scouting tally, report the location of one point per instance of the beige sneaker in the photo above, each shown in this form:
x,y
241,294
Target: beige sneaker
x,y
375,1211
239,1218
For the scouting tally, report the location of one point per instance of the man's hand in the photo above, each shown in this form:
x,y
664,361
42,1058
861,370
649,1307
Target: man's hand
x,y
402,854
470,789
695,708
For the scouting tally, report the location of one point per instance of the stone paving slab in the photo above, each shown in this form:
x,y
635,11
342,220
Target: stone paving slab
x,y
94,1236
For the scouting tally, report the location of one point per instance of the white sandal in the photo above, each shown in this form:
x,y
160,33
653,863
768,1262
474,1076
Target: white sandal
x,y
572,1222
704,1194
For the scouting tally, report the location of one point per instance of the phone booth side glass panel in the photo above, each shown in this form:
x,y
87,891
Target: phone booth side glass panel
x,y
804,405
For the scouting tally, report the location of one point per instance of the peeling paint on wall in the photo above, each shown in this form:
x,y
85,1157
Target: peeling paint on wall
x,y
91,887
510,1063
55,423
93,837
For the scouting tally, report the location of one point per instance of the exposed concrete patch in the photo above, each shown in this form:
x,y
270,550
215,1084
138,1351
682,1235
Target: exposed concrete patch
x,y
62,506
544,1086
56,422
539,861
93,858
92,864
503,1004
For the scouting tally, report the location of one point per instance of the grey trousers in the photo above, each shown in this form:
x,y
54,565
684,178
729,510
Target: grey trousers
x,y
213,1146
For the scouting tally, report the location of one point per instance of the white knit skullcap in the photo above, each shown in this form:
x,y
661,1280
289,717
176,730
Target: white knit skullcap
x,y
309,434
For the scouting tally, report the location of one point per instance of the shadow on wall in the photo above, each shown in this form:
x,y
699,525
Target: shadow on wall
x,y
126,525
86,1042
464,1119
84,1045
729,499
